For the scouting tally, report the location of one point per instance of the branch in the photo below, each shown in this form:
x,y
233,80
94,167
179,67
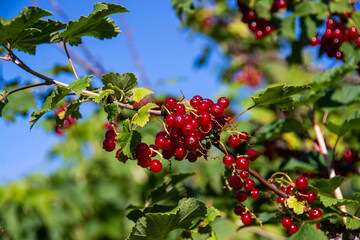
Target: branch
x,y
255,174
71,64
23,88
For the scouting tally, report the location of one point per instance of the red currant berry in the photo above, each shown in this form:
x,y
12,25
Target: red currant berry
x,y
179,109
179,121
208,101
328,33
293,229
170,103
314,41
155,166
241,196
217,110
144,162
253,26
301,183
286,222
352,33
161,133
109,145
234,141
233,180
331,23
289,189
166,154
357,41
110,134
195,123
204,118
311,196
142,150
281,4
224,102
160,142
246,218
191,143
255,194
228,160
269,29
170,144
198,97
187,118
239,210
194,102
249,184
244,136
191,157
207,127
339,55
259,34
244,174
252,154
203,107
242,163
317,225
180,153
280,199
315,213
169,120
120,156
187,129
58,130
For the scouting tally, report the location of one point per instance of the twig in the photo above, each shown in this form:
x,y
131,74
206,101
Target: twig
x,y
23,88
71,64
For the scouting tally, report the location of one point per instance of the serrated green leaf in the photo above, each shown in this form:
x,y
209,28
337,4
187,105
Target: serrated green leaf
x,y
13,27
279,95
277,128
330,201
73,109
352,223
56,96
351,54
42,31
347,94
182,7
330,77
211,214
59,68
262,8
140,93
164,190
327,185
352,122
288,26
355,16
310,8
158,225
102,94
310,27
341,6
122,85
297,206
3,102
135,214
142,117
96,24
112,110
308,231
80,84
128,139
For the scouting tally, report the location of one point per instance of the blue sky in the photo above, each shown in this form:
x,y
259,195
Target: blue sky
x,y
166,50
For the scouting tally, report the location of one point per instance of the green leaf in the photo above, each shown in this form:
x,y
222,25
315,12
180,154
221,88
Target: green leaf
x,y
310,27
355,16
122,85
102,94
158,225
3,102
73,109
340,6
313,162
128,139
211,214
182,7
288,26
80,84
42,31
112,110
140,93
352,223
13,27
166,189
347,94
351,54
262,8
142,116
308,231
330,77
330,201
96,24
56,96
327,185
352,122
279,95
297,206
277,128
60,68
310,8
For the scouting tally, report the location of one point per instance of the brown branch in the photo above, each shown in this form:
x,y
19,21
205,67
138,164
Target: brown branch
x,y
71,64
255,174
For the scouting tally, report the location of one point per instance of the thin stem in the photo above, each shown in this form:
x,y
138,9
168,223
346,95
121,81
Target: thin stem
x,y
255,174
23,88
71,64
239,115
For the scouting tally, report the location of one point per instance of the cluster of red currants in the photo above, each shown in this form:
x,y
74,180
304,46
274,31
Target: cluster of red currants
x,y
59,130
335,34
240,177
301,195
109,143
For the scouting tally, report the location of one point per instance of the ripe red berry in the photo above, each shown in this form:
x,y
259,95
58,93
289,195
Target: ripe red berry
x,y
179,121
58,130
253,26
144,162
286,222
191,143
153,148
187,129
239,210
142,150
339,55
255,194
160,142
179,109
110,134
249,184
191,157
246,218
281,4
357,41
269,29
204,118
194,102
228,160
169,120
169,144
330,23
170,103
314,41
109,145
207,127
198,97
242,163
293,229
224,102
233,180
244,174
259,34
244,136
241,196
315,213
311,196
195,123
280,199
155,166
328,33
352,33
208,101
317,225
252,154
301,183
289,189
203,107
217,110
161,133
166,154
234,140
120,155
180,153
